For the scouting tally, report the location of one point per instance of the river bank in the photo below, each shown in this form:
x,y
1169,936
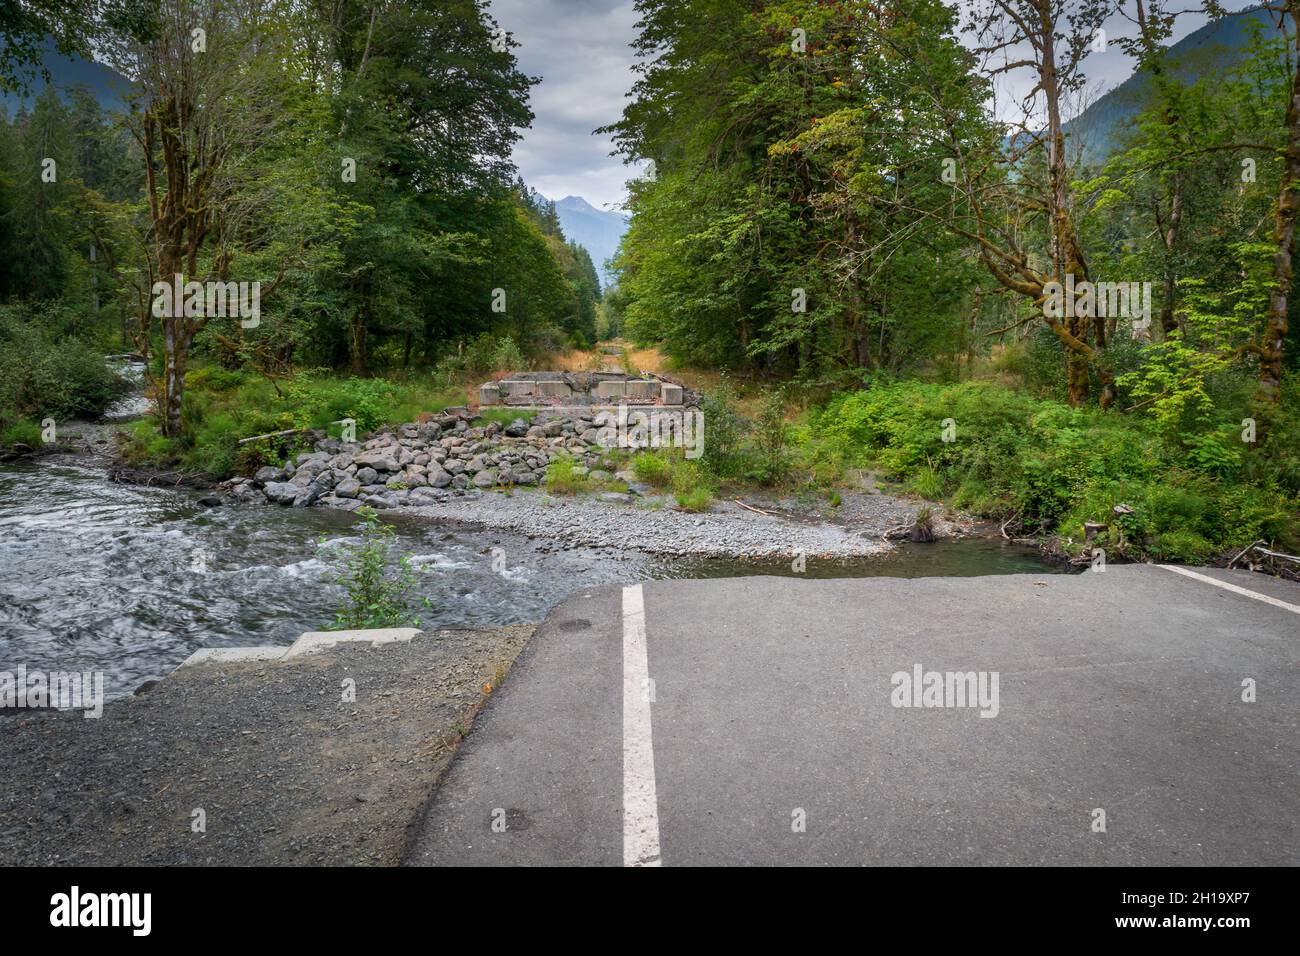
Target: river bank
x,y
467,474
130,579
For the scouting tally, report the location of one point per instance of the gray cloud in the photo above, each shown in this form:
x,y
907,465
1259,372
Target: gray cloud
x,y
580,50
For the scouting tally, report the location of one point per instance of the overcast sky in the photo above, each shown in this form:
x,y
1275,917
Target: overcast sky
x,y
580,50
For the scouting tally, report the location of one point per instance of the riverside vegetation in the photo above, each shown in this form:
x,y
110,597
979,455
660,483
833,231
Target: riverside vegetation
x,y
840,223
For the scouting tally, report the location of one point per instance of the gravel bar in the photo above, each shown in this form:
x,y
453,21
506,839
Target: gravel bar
x,y
726,531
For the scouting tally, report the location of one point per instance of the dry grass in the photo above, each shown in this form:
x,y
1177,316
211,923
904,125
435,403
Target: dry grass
x,y
749,399
578,360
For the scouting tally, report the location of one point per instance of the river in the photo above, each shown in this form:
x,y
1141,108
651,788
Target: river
x,y
129,580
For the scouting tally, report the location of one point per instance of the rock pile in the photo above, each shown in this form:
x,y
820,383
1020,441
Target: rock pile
x,y
419,463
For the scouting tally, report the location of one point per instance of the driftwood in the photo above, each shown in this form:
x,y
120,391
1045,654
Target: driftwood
x,y
1003,531
1261,547
760,511
287,431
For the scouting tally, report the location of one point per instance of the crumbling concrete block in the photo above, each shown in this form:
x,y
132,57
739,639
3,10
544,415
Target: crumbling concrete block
x,y
315,641
489,394
608,390
553,390
518,388
644,389
233,655
670,393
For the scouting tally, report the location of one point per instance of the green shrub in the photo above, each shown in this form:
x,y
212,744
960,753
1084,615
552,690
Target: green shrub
x,y
223,406
770,459
691,485
43,374
724,433
1057,467
19,431
563,479
504,416
378,595
654,469
694,499
926,483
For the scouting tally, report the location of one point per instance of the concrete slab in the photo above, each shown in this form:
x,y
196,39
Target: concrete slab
x,y
314,641
233,655
645,389
517,388
553,390
489,394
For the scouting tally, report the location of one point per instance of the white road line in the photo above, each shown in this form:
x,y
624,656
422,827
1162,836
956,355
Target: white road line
x,y
640,802
1293,608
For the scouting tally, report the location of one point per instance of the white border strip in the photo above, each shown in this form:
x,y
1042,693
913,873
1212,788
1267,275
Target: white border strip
x,y
1293,608
640,801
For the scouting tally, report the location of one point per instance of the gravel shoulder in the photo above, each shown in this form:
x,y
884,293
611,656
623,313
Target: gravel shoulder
x,y
285,771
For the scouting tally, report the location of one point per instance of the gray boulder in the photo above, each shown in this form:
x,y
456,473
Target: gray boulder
x,y
381,459
281,492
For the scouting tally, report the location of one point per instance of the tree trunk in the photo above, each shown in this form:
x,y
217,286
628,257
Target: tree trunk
x,y
357,351
173,391
1167,321
1288,205
1066,255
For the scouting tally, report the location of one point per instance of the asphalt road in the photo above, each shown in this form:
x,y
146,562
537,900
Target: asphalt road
x,y
769,731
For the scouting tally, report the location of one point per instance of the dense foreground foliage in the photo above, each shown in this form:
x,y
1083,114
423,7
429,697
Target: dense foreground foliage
x,y
223,407
48,370
1052,468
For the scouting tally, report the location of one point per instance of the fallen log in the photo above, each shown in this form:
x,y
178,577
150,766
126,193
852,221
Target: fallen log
x,y
287,431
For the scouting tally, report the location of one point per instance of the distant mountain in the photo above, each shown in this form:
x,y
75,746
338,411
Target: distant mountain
x,y
109,86
599,231
1214,48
